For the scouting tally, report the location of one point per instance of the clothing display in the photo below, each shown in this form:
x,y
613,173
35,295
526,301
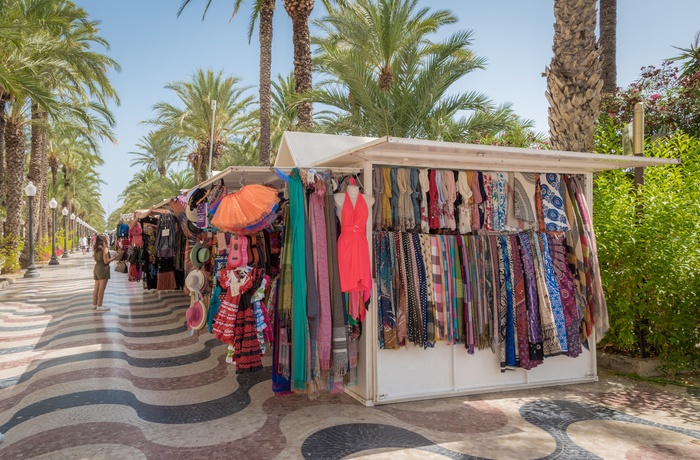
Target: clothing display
x,y
525,295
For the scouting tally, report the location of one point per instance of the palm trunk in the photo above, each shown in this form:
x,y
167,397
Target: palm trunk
x,y
45,211
608,44
267,10
3,122
37,166
14,143
299,11
573,77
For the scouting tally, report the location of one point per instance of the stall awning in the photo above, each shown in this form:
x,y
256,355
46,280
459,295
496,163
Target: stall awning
x,y
424,153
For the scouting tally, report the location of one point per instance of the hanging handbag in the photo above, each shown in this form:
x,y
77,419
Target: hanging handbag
x,y
121,267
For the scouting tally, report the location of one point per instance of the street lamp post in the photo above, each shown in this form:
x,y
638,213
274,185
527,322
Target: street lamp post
x,y
72,235
53,204
31,272
65,233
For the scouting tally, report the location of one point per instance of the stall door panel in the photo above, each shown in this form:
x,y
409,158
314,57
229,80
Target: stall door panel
x,y
412,371
563,368
483,371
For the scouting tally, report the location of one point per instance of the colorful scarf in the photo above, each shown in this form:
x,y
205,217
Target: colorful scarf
x,y
300,330
552,203
318,237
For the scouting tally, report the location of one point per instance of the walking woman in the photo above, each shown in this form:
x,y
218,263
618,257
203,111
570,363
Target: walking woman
x,y
101,271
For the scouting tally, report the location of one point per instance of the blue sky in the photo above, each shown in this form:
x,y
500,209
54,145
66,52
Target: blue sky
x,y
155,47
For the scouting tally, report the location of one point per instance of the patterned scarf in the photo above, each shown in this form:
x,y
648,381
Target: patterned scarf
x,y
318,237
339,347
599,304
524,191
400,290
430,289
436,263
568,293
531,298
552,203
550,341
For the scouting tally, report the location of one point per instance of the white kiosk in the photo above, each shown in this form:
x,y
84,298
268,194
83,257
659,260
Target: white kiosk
x,y
386,376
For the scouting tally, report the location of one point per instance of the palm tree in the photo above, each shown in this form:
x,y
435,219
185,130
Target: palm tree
x,y
15,145
299,11
158,151
689,57
264,10
148,187
573,77
388,83
193,122
608,44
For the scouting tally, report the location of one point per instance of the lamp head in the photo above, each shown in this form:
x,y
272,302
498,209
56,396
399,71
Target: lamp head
x,y
72,216
53,203
64,212
30,189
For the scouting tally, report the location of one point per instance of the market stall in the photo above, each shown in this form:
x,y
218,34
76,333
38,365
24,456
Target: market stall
x,y
471,347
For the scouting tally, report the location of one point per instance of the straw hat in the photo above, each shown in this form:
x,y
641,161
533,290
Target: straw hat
x,y
196,315
195,281
199,255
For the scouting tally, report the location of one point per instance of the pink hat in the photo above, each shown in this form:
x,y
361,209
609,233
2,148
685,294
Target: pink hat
x,y
196,315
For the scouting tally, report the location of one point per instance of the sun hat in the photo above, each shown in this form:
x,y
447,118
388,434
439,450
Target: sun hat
x,y
199,255
245,208
195,281
196,315
192,200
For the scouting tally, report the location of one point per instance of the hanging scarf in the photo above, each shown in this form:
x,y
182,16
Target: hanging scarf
x,y
430,289
378,188
415,198
400,291
318,237
283,323
551,345
521,312
386,315
424,205
531,298
574,255
300,330
552,203
524,192
395,197
340,338
568,293
387,195
601,308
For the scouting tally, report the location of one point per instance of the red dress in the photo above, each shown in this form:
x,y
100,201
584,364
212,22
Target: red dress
x,y
353,248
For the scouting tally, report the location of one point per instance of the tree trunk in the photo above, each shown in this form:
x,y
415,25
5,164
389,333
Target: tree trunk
x,y
3,122
66,188
299,11
267,10
573,77
608,44
14,143
37,167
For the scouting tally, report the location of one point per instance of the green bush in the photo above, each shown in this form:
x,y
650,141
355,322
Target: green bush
x,y
10,249
649,249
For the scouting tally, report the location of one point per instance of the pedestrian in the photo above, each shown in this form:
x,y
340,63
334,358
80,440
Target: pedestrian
x,y
93,240
83,244
101,271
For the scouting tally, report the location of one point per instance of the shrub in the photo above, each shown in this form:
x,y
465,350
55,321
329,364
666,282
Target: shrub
x,y
10,250
649,249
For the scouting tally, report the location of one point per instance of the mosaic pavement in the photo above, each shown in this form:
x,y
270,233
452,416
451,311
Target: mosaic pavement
x,y
133,384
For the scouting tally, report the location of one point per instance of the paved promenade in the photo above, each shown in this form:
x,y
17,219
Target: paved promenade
x,y
133,384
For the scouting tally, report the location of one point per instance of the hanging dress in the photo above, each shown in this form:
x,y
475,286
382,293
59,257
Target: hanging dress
x,y
353,248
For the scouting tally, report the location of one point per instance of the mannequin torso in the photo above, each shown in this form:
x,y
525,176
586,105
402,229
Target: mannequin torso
x,y
353,191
